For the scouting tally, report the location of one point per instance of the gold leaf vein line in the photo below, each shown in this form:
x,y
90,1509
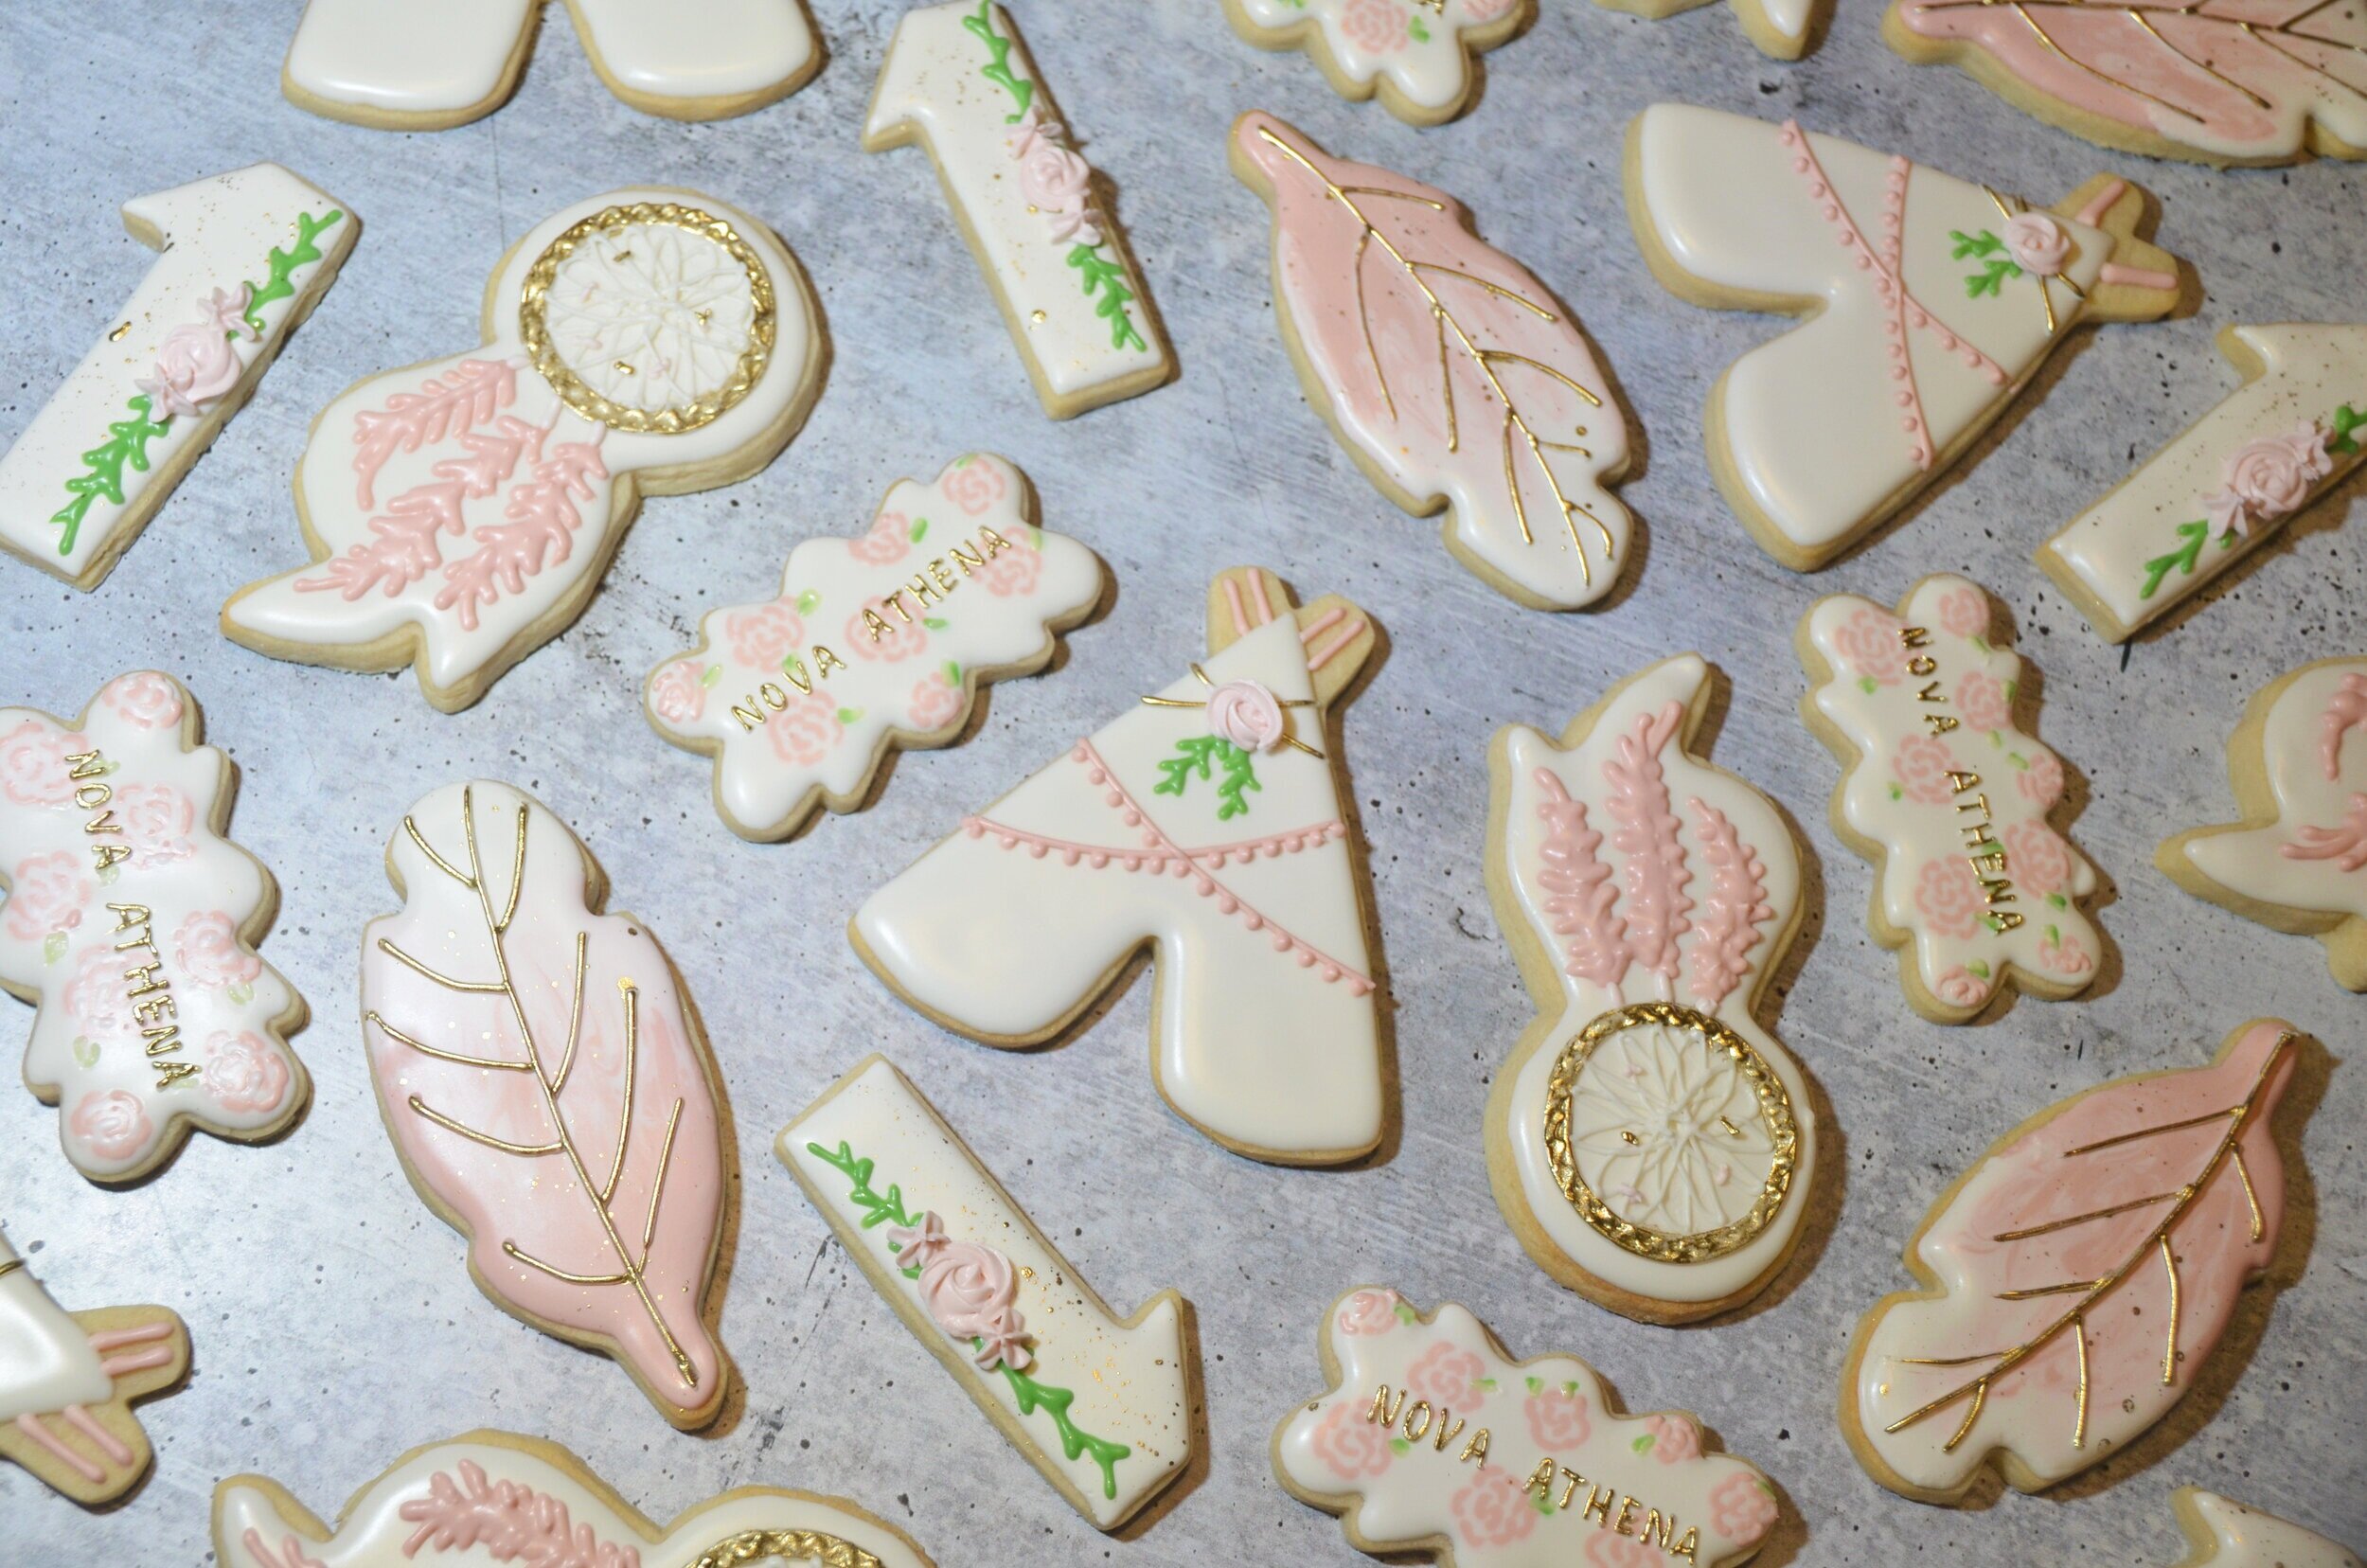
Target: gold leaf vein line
x,y
2257,36
665,1162
2154,33
1421,201
439,1054
2239,1116
556,1272
1979,1397
2165,1127
2079,1417
1446,380
449,1125
1493,355
2021,9
517,874
1497,288
1512,483
480,988
2243,1173
2066,1288
1949,1361
574,1022
2091,1215
429,851
1365,318
2169,1347
624,1116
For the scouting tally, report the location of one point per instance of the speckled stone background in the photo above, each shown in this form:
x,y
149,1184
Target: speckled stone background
x,y
333,1321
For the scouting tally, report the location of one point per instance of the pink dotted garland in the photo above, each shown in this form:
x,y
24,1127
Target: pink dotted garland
x,y
1901,307
1162,855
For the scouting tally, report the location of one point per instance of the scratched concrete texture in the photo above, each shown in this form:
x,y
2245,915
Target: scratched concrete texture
x,y
333,1321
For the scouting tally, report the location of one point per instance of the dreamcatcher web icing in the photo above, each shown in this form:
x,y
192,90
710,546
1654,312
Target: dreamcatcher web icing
x,y
652,315
1668,1133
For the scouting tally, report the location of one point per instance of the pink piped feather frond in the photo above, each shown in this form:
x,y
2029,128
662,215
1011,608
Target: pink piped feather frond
x,y
1579,898
1656,906
468,395
1738,906
513,1522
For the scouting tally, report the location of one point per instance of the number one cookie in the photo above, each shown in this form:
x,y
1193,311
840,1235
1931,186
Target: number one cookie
x,y
246,256
460,514
1101,1407
1648,1142
958,80
1930,301
1205,825
2268,452
1948,797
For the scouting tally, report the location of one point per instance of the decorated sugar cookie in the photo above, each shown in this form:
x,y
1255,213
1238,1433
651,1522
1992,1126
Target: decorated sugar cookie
x,y
2267,452
2226,1534
959,82
67,1381
548,1090
1448,373
246,256
1930,303
2075,1279
873,642
2295,860
132,921
1102,1407
2217,82
1648,1142
432,65
1431,1439
461,512
1205,825
492,1496
1781,29
1416,54
1949,798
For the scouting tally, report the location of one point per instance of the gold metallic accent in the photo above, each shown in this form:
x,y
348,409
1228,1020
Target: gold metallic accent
x,y
2079,1421
115,336
482,987
9,1265
2169,1346
1774,1108
437,1052
827,1551
534,329
1627,1137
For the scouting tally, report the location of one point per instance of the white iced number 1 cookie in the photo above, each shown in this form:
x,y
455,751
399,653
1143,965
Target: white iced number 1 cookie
x,y
1102,1407
431,65
1205,825
1930,301
1650,1145
877,641
246,256
131,920
2297,860
1431,1439
461,512
1948,797
958,80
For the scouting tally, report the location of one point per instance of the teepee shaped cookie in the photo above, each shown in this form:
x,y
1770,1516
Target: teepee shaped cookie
x,y
1930,303
68,1381
1648,1142
1207,824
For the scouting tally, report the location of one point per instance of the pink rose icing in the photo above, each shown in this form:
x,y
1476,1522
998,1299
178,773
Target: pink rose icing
x,y
901,640
1960,988
1446,1376
2037,243
761,638
112,1124
887,541
1059,184
143,700
1378,26
916,1245
1674,1439
1981,703
195,365
1245,714
806,731
1741,1507
970,1290
1492,1510
2037,857
1922,765
2042,781
1963,611
94,997
1557,1418
1607,1550
677,694
1369,1313
207,948
1012,571
225,310
2269,476
244,1073
32,765
975,487
1950,896
1349,1446
45,893
1868,643
2065,956
936,702
157,821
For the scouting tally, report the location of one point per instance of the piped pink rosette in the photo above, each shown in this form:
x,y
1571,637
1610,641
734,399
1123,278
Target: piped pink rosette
x,y
1055,180
1245,714
2268,477
195,365
971,1291
2037,243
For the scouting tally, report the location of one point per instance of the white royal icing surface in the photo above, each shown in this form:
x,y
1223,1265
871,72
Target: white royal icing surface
x,y
1131,1381
788,726
495,497
125,922
1417,47
2314,765
46,1362
496,1501
2226,1534
1264,1028
933,85
1432,1433
2132,539
1951,797
1817,426
443,56
214,233
1681,1172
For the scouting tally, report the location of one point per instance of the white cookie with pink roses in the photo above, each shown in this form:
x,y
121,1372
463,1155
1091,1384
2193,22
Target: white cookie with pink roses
x,y
1431,1439
131,922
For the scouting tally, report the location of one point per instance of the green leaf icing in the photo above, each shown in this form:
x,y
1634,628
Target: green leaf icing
x,y
1198,754
280,282
127,442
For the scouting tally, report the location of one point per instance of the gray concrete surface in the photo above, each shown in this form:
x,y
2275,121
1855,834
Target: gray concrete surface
x,y
333,1321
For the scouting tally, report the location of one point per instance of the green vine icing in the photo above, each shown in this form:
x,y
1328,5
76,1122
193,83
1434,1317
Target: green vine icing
x,y
1199,755
127,440
880,1209
1987,248
2343,437
1098,273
